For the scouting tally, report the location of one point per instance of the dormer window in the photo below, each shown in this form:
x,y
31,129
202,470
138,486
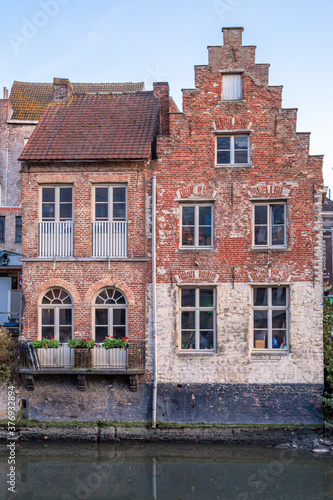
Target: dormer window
x,y
232,87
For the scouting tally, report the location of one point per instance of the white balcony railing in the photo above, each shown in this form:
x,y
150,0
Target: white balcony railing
x,y
109,239
56,239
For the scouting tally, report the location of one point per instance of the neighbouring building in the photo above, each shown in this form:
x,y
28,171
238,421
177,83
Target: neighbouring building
x,y
328,246
239,267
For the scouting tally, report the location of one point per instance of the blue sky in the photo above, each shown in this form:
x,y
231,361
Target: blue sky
x,y
161,40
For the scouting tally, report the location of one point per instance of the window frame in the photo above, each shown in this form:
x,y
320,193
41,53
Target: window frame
x,y
110,308
239,94
110,187
269,244
3,231
270,328
18,229
196,245
57,202
232,149
56,308
197,310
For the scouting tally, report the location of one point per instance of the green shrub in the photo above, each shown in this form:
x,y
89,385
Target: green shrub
x,y
8,356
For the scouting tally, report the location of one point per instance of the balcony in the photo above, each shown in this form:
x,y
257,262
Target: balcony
x,y
56,239
109,239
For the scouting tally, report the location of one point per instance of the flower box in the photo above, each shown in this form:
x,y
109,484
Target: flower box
x,y
59,357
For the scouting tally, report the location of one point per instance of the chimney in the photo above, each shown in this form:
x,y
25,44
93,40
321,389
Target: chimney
x,y
62,90
232,36
161,90
5,93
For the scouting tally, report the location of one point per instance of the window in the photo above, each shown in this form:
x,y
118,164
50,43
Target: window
x,y
197,226
18,229
57,315
110,314
232,87
232,150
110,203
270,317
2,229
57,203
197,319
269,225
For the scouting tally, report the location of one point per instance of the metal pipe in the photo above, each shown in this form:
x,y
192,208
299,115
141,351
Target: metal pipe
x,y
153,253
6,176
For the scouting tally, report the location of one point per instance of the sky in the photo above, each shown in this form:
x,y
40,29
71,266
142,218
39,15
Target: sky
x,y
162,40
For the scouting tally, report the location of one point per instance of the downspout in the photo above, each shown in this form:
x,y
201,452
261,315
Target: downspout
x,y
153,253
6,177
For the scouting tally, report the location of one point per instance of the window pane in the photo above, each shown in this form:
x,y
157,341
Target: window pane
x,y
260,296
2,229
241,157
188,235
119,211
260,319
206,320
188,340
206,298
48,195
188,297
223,142
260,235
205,235
101,194
119,194
260,214
18,230
65,333
205,216
100,333
278,319
119,316
279,296
188,320
279,339
260,339
101,316
188,216
277,214
223,157
47,316
101,211
66,194
48,332
241,142
48,211
119,332
66,211
65,316
277,235
206,340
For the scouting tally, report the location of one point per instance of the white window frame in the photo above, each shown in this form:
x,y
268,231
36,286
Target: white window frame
x,y
196,245
110,308
269,205
270,308
56,308
197,310
57,188
110,202
232,150
232,87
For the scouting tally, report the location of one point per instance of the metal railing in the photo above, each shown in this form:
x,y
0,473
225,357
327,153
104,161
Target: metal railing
x,y
63,357
56,239
109,239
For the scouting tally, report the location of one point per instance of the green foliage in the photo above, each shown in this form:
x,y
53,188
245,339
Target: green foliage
x,y
81,343
45,343
8,356
111,343
328,356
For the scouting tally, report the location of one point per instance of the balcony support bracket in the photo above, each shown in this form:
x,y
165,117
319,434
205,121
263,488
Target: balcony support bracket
x,y
133,379
81,380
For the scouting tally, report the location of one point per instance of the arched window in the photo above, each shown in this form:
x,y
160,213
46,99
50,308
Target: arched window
x,y
57,315
110,314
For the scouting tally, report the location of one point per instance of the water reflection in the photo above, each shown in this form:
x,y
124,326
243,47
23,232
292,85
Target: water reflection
x,y
130,471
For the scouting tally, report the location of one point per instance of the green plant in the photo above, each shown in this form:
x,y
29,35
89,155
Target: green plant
x,y
112,343
8,355
328,356
46,343
81,343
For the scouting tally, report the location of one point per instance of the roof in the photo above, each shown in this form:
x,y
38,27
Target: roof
x,y
29,100
328,205
96,127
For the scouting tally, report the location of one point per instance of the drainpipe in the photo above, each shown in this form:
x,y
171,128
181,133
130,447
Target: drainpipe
x,y
6,177
153,254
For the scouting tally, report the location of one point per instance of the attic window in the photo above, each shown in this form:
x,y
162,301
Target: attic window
x,y
232,87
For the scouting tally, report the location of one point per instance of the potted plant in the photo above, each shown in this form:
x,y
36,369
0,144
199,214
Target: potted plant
x,y
48,351
115,352
112,343
46,343
82,351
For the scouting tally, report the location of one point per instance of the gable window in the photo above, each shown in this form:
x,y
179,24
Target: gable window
x,y
110,225
18,229
197,226
197,310
232,150
270,317
269,229
232,87
57,315
110,314
2,229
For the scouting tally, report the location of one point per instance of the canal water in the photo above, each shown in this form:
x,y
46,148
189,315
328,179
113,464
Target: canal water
x,y
128,471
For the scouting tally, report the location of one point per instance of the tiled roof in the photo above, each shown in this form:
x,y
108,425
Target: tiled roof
x,y
29,100
96,127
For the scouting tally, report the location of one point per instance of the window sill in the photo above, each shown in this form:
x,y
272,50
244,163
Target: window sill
x,y
233,165
271,249
203,352
195,249
270,354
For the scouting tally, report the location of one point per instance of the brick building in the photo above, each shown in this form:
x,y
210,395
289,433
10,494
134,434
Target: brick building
x,y
238,247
